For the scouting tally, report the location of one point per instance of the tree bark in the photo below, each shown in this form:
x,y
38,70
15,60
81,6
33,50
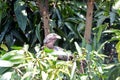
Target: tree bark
x,y
89,17
43,8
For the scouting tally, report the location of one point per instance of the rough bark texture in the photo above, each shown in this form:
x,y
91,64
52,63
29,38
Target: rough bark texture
x,y
43,8
89,16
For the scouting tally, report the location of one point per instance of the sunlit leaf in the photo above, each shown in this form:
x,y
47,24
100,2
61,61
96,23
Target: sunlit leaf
x,y
78,49
27,75
4,47
47,50
73,70
118,50
4,63
44,75
6,76
16,47
8,55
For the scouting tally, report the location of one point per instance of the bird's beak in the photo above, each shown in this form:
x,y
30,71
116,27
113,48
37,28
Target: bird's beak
x,y
58,37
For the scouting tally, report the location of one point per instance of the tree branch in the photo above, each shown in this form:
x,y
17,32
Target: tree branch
x,y
43,8
89,17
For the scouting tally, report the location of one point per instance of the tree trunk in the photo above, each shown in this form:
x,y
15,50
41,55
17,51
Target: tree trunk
x,y
89,16
43,8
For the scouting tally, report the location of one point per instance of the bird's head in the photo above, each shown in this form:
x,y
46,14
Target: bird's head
x,y
50,39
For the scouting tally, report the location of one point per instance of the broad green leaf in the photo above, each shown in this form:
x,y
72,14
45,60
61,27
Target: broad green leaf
x,y
4,63
21,14
17,59
9,55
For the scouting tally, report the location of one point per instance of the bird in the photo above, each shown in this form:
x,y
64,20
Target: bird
x,y
49,42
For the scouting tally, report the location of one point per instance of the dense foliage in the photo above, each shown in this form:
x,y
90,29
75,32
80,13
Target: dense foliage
x,y
21,23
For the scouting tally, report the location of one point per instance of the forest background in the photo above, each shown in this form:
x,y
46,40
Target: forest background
x,y
89,30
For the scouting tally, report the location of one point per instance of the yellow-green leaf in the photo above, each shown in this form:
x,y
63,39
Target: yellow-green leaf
x,y
118,50
4,47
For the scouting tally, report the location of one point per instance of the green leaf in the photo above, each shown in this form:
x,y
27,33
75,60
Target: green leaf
x,y
4,47
8,55
114,72
100,20
99,33
71,27
6,76
44,75
73,70
118,50
0,15
21,14
4,69
89,47
4,63
16,47
112,17
58,14
4,31
26,76
37,31
78,49
18,35
9,40
47,50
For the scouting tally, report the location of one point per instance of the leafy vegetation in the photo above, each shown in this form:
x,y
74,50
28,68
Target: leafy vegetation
x,y
21,64
23,26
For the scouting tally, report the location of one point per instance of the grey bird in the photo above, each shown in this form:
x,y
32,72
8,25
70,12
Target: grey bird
x,y
49,42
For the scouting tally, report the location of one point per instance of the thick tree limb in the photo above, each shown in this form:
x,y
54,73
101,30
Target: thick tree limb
x,y
89,17
43,8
